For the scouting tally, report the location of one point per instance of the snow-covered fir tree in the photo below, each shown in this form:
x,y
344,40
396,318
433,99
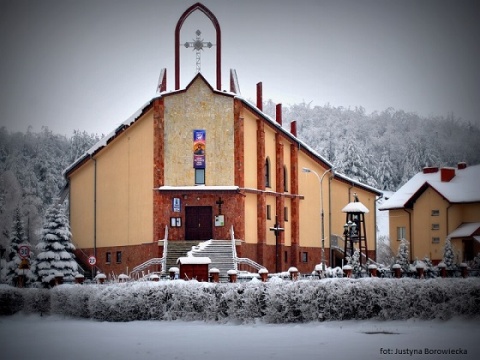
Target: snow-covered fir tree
x,y
448,255
403,255
56,255
17,239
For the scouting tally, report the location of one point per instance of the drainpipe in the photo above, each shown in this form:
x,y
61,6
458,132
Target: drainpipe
x,y
410,233
94,206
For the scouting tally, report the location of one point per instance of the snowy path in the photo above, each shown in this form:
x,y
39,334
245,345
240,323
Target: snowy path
x,y
52,337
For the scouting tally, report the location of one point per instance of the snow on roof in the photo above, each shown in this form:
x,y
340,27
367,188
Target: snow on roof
x,y
464,230
462,188
194,260
198,188
354,207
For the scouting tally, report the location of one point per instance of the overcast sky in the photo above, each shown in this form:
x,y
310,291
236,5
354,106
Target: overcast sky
x,y
90,64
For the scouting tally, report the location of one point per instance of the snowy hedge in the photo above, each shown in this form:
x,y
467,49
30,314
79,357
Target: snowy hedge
x,y
276,301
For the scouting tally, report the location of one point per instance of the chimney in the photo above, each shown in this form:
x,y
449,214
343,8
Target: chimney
x,y
430,169
293,128
461,165
447,174
278,113
259,96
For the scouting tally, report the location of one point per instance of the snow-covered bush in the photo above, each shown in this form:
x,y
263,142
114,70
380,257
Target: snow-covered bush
x,y
403,256
276,301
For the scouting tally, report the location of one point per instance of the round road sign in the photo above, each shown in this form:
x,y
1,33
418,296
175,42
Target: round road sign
x,y
92,260
24,251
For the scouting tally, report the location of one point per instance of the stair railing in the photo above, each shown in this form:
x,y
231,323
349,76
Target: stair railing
x,y
237,260
154,261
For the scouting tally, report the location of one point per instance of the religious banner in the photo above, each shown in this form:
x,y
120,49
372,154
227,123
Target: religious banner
x,y
199,149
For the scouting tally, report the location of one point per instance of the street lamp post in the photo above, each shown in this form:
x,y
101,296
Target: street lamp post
x,y
322,216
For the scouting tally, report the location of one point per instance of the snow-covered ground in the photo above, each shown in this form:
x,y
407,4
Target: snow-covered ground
x,y
53,337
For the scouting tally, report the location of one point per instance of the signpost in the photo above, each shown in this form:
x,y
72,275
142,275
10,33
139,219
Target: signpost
x,y
92,260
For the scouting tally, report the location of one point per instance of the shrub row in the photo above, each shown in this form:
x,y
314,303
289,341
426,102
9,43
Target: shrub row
x,y
272,302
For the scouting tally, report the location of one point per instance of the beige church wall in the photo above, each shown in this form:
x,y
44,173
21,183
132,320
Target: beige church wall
x,y
308,186
125,187
423,231
250,149
251,235
82,205
199,108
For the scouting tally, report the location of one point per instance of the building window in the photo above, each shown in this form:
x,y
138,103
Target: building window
x,y
267,172
304,257
108,257
269,212
435,226
285,179
401,233
285,213
119,257
435,240
435,212
285,256
199,176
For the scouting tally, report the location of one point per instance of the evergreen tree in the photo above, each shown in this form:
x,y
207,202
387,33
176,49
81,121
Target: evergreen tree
x,y
448,255
17,238
354,262
403,255
55,248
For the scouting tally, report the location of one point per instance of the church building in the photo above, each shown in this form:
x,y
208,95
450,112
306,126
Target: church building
x,y
195,163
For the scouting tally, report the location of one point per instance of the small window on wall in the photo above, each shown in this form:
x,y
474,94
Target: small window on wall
x,y
285,256
285,213
401,233
269,212
199,176
435,240
119,257
435,226
304,258
435,212
285,179
108,257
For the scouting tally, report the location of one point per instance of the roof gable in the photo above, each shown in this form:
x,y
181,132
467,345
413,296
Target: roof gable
x,y
461,188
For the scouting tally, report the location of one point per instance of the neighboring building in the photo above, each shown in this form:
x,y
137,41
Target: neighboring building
x,y
200,161
436,204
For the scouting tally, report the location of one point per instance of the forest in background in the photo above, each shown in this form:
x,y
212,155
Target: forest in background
x,y
382,149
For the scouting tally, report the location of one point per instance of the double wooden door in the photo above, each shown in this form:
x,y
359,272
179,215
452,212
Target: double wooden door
x,y
198,223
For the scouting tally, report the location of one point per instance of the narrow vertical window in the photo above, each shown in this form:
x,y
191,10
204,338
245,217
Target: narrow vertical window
x,y
269,212
285,213
199,176
285,179
119,257
401,233
108,257
267,172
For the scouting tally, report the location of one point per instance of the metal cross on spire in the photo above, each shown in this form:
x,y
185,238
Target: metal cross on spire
x,y
197,45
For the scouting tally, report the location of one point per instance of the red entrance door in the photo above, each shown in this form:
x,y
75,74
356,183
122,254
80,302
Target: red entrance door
x,y
198,223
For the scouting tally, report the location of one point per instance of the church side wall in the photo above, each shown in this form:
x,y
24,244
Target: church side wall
x,y
82,205
125,187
